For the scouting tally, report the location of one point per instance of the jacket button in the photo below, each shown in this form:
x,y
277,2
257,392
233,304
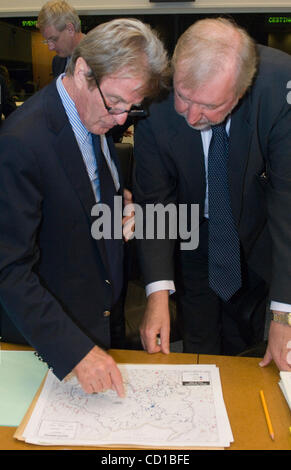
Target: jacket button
x,y
107,281
106,313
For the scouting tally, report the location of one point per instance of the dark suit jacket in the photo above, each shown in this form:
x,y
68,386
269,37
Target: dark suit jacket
x,y
170,168
58,65
53,274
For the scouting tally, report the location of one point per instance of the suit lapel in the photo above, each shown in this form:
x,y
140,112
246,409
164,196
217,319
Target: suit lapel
x,y
72,161
70,157
240,139
187,145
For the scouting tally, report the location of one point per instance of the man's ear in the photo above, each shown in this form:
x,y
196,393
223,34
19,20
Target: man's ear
x,y
80,72
70,28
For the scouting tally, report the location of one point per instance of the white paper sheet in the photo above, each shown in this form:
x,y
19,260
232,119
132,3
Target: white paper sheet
x,y
285,385
165,406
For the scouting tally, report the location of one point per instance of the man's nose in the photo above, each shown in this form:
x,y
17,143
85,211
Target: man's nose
x,y
194,113
51,46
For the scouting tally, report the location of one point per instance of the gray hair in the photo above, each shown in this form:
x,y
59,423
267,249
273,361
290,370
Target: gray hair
x,y
58,13
207,48
124,46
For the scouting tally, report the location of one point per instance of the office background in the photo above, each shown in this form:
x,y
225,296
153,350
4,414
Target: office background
x,y
28,60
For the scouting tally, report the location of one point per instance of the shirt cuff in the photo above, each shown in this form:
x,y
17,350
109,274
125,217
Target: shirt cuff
x,y
281,307
160,285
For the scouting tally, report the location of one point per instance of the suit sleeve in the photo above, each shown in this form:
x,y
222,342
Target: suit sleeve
x,y
35,311
154,184
279,203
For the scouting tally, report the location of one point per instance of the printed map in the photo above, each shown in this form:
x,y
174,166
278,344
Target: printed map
x,y
164,406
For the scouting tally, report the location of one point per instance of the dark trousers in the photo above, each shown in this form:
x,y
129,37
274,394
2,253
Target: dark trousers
x,y
208,325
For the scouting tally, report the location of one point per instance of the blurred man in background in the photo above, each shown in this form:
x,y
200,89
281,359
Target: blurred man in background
x,y
60,26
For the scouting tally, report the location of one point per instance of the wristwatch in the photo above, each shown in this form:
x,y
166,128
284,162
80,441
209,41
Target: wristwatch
x,y
283,317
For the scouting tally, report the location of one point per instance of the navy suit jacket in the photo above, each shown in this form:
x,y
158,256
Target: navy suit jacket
x,y
170,168
53,274
58,65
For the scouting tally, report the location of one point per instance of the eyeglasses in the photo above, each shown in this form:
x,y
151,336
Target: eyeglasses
x,y
134,111
53,41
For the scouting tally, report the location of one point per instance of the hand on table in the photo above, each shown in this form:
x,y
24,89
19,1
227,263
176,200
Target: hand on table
x,y
279,347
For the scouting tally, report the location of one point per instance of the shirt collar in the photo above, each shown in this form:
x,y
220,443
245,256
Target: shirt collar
x,y
78,127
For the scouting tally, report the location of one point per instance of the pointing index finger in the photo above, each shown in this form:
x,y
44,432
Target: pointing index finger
x,y
117,382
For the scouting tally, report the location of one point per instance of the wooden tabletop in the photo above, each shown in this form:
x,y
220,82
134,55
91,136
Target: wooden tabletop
x,y
242,379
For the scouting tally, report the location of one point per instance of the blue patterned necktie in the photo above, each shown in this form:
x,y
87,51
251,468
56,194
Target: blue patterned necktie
x,y
224,268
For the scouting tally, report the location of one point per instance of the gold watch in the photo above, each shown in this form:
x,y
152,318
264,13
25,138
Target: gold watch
x,y
283,317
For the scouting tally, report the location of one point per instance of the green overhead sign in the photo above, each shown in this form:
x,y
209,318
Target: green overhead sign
x,y
29,23
279,19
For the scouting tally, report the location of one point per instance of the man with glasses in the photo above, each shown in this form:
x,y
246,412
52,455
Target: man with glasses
x,y
60,26
60,286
